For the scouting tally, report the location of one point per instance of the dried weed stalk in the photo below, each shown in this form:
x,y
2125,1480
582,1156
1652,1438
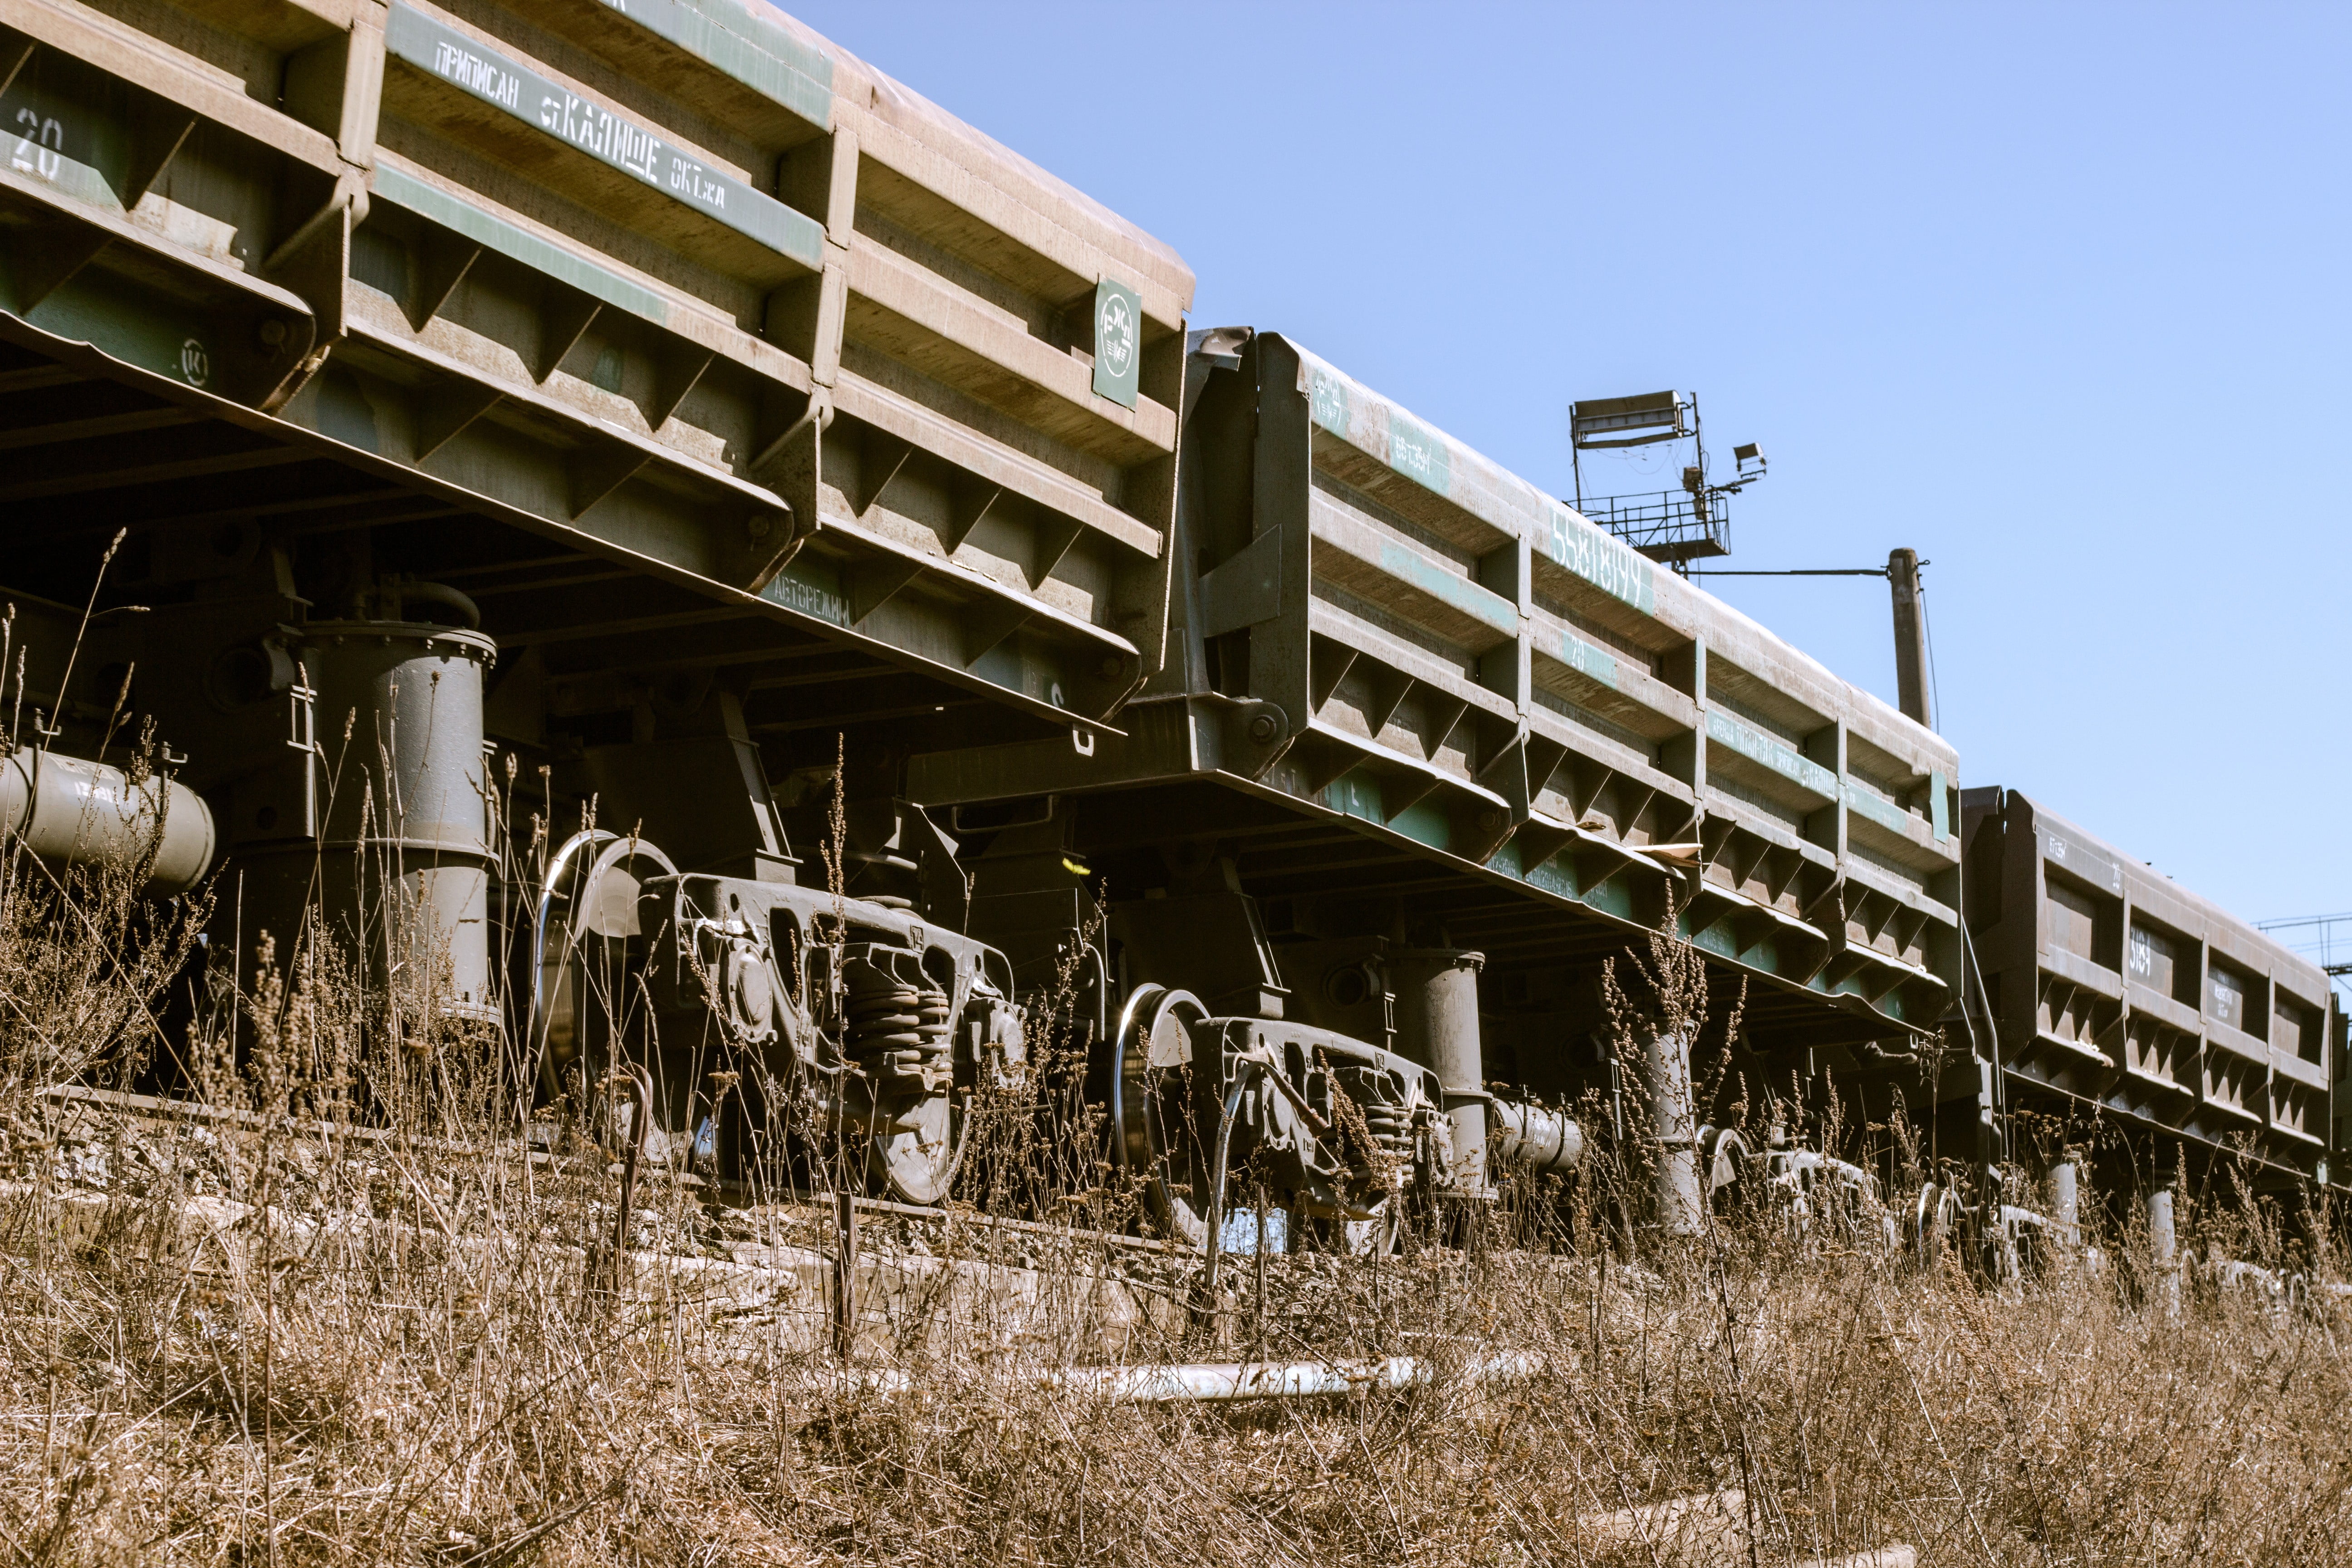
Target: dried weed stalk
x,y
338,1312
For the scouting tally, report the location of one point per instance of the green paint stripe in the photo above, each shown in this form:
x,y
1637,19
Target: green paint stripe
x,y
519,245
1328,398
1588,661
750,48
1378,428
1425,825
1358,794
151,328
1354,795
1877,808
1382,428
1713,939
1411,567
1771,752
1549,879
482,72
1940,810
1375,426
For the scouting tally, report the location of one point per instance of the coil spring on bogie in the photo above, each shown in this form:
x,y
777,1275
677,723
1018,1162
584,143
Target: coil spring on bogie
x,y
895,1027
1387,1122
1390,1126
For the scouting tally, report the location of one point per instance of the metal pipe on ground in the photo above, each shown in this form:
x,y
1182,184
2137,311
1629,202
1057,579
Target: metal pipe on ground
x,y
1228,1382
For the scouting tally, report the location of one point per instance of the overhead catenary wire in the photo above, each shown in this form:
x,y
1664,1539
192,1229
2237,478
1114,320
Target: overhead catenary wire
x,y
1796,572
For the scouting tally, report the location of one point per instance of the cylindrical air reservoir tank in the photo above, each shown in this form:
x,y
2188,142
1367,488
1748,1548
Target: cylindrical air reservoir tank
x,y
71,812
1437,1025
1537,1136
390,835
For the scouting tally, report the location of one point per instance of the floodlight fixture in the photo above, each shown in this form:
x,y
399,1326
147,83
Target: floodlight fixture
x,y
1675,526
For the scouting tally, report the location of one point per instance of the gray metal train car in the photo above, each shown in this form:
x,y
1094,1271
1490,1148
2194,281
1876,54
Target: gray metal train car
x,y
2113,1001
653,418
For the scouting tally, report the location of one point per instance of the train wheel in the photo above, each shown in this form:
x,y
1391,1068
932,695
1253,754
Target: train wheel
x,y
582,934
1156,1114
1724,1160
916,1144
1936,1216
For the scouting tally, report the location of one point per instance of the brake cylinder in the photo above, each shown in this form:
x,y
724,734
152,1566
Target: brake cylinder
x,y
71,812
1537,1137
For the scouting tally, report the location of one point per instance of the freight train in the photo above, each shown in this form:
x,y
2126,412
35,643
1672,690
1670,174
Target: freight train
x,y
643,415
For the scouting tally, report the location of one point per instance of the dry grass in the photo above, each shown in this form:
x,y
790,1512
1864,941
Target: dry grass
x,y
252,1336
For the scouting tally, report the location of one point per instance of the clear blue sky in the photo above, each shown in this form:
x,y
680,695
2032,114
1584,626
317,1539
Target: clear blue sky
x,y
2056,295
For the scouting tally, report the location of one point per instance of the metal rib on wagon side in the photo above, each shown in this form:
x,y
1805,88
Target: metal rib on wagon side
x,y
1428,681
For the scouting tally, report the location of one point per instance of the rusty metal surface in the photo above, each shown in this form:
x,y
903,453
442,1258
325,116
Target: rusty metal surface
x,y
2112,986
1511,714
680,285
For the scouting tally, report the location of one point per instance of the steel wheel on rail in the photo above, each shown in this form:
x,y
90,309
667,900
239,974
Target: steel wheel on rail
x,y
914,1143
583,935
1934,1221
1162,1124
1724,1162
897,1025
